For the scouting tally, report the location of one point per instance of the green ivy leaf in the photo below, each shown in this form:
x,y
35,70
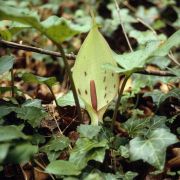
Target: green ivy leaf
x,y
146,36
56,144
136,59
152,149
31,78
11,132
6,109
61,167
165,47
135,126
88,131
32,115
159,97
21,153
86,150
6,63
68,100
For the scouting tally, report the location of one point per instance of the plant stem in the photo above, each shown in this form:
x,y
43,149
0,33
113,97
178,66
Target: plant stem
x,y
12,82
71,80
118,101
14,45
54,97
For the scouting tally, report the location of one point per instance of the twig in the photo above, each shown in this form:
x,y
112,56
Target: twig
x,y
9,44
122,25
147,25
41,166
155,73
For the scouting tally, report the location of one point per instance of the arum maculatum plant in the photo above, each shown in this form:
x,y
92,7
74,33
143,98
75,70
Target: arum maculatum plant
x,y
95,85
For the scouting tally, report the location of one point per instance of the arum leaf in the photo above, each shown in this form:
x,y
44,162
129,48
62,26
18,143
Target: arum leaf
x,y
61,167
153,149
6,63
31,78
99,86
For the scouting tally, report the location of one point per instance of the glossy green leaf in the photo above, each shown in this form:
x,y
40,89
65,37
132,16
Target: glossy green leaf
x,y
142,126
32,103
86,150
6,63
136,59
131,62
135,126
21,153
161,62
159,97
68,100
61,167
54,146
6,109
152,149
11,132
4,147
88,131
31,78
99,86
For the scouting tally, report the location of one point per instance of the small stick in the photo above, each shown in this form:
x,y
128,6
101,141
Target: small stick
x,y
9,44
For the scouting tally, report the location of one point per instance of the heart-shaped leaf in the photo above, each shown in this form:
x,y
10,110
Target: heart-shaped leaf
x,y
153,149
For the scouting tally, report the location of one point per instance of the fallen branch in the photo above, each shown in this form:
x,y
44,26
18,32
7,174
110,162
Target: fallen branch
x,y
8,44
